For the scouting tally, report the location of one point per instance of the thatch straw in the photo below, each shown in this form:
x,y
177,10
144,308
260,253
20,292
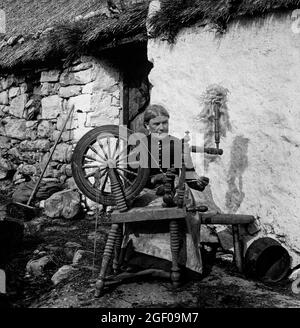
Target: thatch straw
x,y
69,39
177,14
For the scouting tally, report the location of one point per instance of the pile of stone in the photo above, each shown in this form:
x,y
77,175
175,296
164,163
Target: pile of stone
x,y
74,257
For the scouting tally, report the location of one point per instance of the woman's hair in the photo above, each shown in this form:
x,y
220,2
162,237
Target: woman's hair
x,y
153,111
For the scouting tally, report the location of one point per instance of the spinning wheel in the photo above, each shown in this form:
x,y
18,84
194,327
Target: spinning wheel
x,y
95,153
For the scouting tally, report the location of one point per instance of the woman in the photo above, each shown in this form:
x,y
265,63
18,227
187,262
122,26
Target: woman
x,y
150,240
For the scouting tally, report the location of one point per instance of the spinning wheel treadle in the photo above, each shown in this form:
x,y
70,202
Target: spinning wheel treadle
x,y
97,151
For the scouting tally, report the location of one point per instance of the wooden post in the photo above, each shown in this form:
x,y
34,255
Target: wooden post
x,y
108,251
238,256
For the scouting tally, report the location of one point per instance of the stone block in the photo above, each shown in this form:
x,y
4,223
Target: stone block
x,y
70,91
23,87
48,88
17,105
41,145
7,82
15,128
50,76
81,103
37,266
71,124
4,98
64,203
14,92
62,153
44,129
81,67
63,273
81,77
88,88
51,107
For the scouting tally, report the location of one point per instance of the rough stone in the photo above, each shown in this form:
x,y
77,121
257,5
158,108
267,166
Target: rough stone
x,y
29,103
88,88
4,142
65,137
51,107
37,145
106,76
15,128
30,134
70,249
37,266
27,169
65,204
17,105
82,77
50,76
71,184
23,87
81,103
63,273
71,124
5,166
81,67
4,98
14,92
83,258
48,88
70,91
7,82
4,109
44,129
62,153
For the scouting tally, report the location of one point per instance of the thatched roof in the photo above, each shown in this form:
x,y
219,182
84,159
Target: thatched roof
x,y
43,31
174,15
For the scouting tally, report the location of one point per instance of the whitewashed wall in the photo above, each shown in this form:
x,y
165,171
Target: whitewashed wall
x,y
259,62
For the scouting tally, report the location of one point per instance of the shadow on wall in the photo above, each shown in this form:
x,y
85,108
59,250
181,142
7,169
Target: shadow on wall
x,y
238,164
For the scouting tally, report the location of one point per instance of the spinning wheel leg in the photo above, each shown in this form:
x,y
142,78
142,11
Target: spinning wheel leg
x,y
118,244
109,247
174,236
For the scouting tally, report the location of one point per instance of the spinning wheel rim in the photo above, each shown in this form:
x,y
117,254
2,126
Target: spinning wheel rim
x,y
100,162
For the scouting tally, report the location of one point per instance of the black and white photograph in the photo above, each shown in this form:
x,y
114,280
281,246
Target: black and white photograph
x,y
149,157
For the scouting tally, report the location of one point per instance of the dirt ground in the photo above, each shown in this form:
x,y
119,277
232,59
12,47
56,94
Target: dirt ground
x,y
223,287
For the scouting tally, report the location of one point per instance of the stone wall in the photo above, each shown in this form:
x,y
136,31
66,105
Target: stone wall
x,y
34,105
258,62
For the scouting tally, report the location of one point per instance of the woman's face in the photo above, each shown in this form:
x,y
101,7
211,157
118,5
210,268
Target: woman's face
x,y
159,126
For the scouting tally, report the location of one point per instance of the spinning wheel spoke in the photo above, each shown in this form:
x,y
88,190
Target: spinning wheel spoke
x,y
104,182
89,175
124,178
98,178
102,147
129,164
130,154
96,152
108,147
116,147
121,153
127,171
92,166
93,159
